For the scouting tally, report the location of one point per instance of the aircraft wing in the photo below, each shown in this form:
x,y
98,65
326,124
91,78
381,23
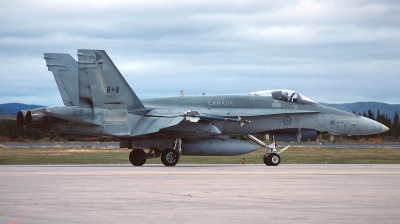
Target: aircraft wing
x,y
226,112
158,119
242,112
166,112
148,125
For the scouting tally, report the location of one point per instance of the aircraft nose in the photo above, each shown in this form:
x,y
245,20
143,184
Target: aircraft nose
x,y
384,128
366,126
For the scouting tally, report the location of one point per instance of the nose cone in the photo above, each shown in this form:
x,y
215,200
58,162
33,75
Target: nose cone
x,y
384,128
366,126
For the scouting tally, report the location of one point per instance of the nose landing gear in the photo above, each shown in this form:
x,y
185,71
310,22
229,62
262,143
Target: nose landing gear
x,y
271,157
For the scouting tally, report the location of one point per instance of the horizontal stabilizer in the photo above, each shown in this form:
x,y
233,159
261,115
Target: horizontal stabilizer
x,y
70,118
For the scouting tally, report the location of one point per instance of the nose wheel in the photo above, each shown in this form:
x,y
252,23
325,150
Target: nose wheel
x,y
272,159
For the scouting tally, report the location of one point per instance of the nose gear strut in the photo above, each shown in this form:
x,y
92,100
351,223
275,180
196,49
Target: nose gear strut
x,y
271,157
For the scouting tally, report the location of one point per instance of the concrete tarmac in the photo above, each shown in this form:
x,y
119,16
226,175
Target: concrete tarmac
x,y
200,194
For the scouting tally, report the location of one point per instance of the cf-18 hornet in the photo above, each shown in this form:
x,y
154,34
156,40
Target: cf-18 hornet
x,y
99,102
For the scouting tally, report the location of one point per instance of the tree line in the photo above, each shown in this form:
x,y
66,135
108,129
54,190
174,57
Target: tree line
x,y
9,131
392,124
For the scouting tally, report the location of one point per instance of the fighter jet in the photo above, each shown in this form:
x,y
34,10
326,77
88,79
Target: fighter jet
x,y
99,102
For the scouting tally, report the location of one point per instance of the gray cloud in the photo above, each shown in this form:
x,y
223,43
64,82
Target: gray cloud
x,y
331,51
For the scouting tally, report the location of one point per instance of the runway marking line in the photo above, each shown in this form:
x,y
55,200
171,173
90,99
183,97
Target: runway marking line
x,y
217,172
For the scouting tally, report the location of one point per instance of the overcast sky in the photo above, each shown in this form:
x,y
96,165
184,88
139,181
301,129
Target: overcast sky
x,y
330,51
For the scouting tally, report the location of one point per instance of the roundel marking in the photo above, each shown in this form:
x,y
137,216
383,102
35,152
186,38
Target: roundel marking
x,y
287,120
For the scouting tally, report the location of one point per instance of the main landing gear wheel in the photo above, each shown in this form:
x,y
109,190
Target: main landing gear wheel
x,y
272,159
169,157
136,157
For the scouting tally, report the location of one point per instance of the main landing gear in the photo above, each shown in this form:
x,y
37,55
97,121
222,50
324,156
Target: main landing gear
x,y
169,156
137,157
271,157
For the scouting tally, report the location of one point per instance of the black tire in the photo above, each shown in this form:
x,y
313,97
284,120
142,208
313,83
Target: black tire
x,y
136,157
265,158
274,159
169,157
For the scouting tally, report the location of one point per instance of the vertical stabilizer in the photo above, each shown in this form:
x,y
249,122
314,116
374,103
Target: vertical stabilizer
x,y
101,83
65,71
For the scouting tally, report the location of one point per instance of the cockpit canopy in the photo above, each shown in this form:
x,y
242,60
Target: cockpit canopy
x,y
285,95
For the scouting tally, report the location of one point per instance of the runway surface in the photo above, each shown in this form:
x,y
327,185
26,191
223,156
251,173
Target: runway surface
x,y
200,194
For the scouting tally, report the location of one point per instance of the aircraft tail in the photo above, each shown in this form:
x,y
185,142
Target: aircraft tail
x,y
65,71
100,82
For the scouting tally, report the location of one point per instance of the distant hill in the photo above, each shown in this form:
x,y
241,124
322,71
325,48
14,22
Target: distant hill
x,y
361,107
13,108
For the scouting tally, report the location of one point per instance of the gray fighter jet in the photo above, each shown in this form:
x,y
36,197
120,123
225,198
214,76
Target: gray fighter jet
x,y
99,102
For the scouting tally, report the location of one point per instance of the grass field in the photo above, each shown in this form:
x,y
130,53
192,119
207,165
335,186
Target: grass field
x,y
294,155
